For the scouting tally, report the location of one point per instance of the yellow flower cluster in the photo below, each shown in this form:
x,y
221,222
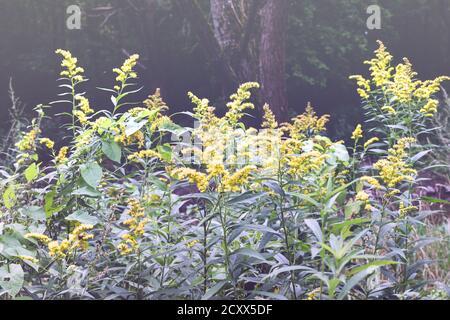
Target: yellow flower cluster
x,y
237,106
126,72
235,182
430,108
144,154
69,63
404,211
28,142
358,133
399,85
193,176
62,155
370,142
83,110
78,239
47,142
269,119
137,137
371,181
307,124
136,224
380,66
305,163
363,84
394,170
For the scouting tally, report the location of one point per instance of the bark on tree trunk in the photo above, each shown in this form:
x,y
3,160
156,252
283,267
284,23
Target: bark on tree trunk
x,y
272,60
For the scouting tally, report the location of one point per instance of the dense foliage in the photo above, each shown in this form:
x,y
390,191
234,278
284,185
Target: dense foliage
x,y
139,207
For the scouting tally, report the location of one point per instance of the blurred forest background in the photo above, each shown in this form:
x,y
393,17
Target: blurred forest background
x,y
306,48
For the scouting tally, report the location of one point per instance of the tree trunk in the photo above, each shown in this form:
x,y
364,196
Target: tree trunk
x,y
272,60
246,41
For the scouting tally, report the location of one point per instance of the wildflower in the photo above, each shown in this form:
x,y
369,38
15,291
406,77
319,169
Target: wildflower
x,y
404,211
192,244
84,104
235,182
238,105
358,133
380,66
28,142
28,258
306,124
312,295
215,170
201,108
269,118
144,154
193,176
370,142
364,86
126,72
430,108
128,244
62,155
371,181
39,237
69,63
362,196
81,116
388,109
78,239
47,142
393,169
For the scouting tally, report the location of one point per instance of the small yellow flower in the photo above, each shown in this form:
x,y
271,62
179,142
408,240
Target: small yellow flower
x,y
62,155
370,142
358,133
362,196
47,142
39,237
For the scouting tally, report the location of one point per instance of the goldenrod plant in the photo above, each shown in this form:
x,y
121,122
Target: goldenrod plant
x,y
124,211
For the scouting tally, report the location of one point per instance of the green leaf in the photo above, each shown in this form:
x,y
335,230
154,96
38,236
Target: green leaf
x,y
12,278
112,150
166,152
32,172
87,191
341,153
315,228
9,197
83,218
434,200
249,253
212,291
372,265
92,174
36,213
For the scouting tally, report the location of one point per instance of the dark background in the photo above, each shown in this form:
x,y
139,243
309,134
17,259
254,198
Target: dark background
x,y
326,41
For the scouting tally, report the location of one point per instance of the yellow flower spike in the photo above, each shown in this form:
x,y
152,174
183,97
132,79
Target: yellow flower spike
x,y
69,63
84,104
371,181
269,118
47,142
39,237
237,106
28,142
362,196
126,72
62,155
370,142
380,68
394,170
358,133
